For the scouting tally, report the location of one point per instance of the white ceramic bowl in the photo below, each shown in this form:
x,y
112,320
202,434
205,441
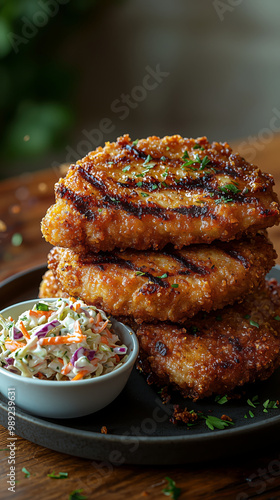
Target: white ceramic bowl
x,y
65,399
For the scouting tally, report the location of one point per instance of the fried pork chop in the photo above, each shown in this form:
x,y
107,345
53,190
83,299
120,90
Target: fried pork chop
x,y
147,193
214,353
168,285
50,287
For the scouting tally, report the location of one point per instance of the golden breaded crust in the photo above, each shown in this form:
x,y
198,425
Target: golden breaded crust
x,y
50,287
214,353
168,285
158,191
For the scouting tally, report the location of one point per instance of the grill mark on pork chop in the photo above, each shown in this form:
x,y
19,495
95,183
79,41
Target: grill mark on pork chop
x,y
237,256
81,203
103,258
120,202
190,266
203,183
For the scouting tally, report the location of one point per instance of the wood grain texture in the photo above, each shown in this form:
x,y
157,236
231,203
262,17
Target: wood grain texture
x,y
23,202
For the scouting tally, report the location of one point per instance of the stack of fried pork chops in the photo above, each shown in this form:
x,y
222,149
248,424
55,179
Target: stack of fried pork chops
x,y
170,235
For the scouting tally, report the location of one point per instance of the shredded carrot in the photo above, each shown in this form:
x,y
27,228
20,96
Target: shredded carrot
x,y
77,328
98,318
108,333
12,345
39,375
67,368
68,339
117,358
104,340
80,375
103,326
60,360
39,314
23,330
10,318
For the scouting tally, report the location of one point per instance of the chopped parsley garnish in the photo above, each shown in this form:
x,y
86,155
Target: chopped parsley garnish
x,y
25,471
110,163
154,186
188,163
254,323
42,307
175,285
251,414
229,187
139,184
215,422
185,155
163,276
135,142
171,490
269,405
197,146
163,158
125,169
277,318
250,403
76,495
114,200
167,148
60,475
100,210
139,273
145,194
148,159
223,199
221,399
204,162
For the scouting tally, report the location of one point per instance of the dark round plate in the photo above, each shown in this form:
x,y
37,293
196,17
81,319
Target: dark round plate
x,y
139,430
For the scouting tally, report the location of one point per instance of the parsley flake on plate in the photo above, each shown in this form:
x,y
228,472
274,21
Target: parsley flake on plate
x,y
26,472
60,475
221,399
76,495
171,490
215,422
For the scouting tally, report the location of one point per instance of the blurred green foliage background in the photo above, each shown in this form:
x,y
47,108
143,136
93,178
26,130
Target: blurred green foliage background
x,y
68,65
37,85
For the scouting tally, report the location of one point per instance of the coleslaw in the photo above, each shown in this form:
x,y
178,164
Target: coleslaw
x,y
60,340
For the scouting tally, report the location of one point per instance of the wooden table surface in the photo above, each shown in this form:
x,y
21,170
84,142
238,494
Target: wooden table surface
x,y
23,202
